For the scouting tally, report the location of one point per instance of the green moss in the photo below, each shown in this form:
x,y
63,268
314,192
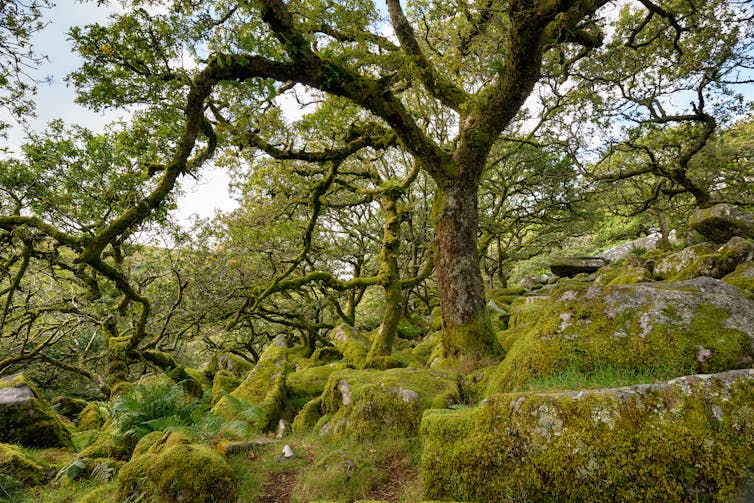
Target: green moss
x,y
223,383
92,417
687,440
525,310
353,345
408,330
742,277
106,446
172,470
436,323
68,406
14,463
230,363
160,358
631,275
308,416
26,419
475,338
424,349
83,439
264,387
368,403
643,329
311,381
193,381
102,494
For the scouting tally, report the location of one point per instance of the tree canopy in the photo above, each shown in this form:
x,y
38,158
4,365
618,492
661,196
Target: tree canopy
x,y
396,146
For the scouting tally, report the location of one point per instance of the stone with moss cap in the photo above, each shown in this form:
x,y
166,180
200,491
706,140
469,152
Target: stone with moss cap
x,y
27,419
701,325
14,463
723,221
354,346
704,259
92,417
689,439
170,469
264,387
366,403
742,277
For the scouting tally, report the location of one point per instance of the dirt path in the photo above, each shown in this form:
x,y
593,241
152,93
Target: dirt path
x,y
278,488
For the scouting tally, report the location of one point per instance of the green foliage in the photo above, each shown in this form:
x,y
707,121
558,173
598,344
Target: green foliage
x,y
9,487
162,406
599,375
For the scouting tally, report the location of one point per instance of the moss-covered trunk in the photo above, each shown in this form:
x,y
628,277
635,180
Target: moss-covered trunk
x,y
459,277
385,337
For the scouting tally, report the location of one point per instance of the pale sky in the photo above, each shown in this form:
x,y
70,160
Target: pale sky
x,y
56,100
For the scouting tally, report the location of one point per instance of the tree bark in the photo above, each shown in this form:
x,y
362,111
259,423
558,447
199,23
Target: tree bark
x,y
459,277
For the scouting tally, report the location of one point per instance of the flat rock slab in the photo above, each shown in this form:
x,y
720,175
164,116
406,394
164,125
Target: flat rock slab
x,y
571,266
723,221
688,439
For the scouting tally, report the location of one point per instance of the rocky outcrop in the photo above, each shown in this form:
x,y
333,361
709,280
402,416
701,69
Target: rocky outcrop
x,y
723,221
705,259
646,243
665,329
26,418
689,439
571,266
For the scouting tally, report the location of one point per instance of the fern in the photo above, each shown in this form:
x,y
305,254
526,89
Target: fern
x,y
163,406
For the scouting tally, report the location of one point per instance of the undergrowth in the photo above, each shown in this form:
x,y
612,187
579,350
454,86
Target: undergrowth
x,y
601,375
162,406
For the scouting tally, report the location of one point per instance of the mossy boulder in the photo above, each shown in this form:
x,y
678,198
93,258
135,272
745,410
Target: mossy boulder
x,y
690,439
170,469
15,464
264,387
106,445
669,330
626,272
705,260
625,250
353,345
671,264
742,277
367,403
223,383
27,419
723,221
311,381
92,417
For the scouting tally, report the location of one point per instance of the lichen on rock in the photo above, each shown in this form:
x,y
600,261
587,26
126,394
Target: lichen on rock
x,y
647,327
689,439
